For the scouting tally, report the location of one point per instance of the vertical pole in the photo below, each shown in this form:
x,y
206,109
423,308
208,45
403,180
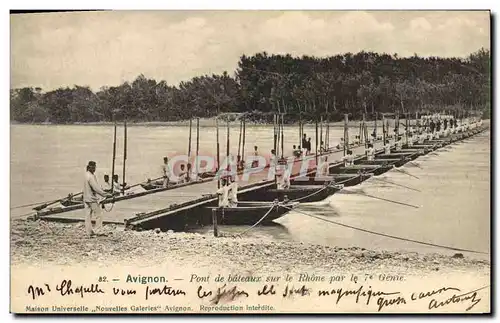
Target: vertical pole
x,y
189,141
239,140
326,127
197,144
227,146
113,162
316,157
359,132
365,129
396,126
387,125
218,150
365,139
321,130
346,136
282,134
383,129
243,147
300,131
407,127
214,221
228,135
275,135
124,153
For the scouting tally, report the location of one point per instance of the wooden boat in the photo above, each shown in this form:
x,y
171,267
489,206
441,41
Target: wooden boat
x,y
426,148
72,201
345,180
365,168
386,161
74,205
398,154
250,213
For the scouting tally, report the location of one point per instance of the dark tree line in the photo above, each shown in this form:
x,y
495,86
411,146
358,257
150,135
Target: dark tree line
x,y
304,87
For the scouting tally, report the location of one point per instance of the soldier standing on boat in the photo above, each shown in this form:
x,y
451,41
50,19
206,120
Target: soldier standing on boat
x,y
308,148
116,185
91,190
323,168
166,172
399,142
432,126
183,175
107,184
233,193
304,144
348,159
370,152
273,160
223,193
283,178
387,147
192,176
255,163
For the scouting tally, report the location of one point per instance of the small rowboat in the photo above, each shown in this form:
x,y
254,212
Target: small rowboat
x,y
249,213
70,202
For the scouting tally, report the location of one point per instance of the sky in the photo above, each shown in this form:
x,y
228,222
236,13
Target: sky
x,y
96,49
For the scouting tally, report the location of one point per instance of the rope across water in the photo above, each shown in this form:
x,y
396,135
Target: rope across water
x,y
386,235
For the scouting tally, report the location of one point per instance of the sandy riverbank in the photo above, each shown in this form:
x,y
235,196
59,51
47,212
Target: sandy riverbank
x,y
45,243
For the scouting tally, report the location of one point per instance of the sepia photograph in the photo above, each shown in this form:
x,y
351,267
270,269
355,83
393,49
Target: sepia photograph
x,y
250,162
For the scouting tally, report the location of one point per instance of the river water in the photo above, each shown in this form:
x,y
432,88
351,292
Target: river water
x,y
452,204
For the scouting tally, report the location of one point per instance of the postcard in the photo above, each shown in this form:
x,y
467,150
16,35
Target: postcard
x,y
250,162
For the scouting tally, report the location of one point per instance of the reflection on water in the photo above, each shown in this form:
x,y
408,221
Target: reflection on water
x,y
453,184
273,230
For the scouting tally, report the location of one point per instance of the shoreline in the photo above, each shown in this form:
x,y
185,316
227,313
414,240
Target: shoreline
x,y
35,243
210,122
185,123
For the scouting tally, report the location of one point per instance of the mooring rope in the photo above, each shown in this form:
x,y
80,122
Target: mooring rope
x,y
31,204
112,205
386,235
401,171
380,198
312,194
396,184
256,223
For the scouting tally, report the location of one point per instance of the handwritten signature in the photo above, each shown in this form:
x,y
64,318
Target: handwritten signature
x,y
65,288
469,296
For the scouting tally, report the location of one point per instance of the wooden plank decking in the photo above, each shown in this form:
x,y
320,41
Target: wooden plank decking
x,y
129,209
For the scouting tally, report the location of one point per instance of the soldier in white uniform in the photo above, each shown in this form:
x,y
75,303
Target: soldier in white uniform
x,y
233,193
91,192
370,152
349,158
223,193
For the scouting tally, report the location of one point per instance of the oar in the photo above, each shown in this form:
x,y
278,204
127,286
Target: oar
x,y
387,200
43,206
401,185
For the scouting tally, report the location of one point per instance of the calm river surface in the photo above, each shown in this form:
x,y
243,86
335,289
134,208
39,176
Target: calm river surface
x,y
453,201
